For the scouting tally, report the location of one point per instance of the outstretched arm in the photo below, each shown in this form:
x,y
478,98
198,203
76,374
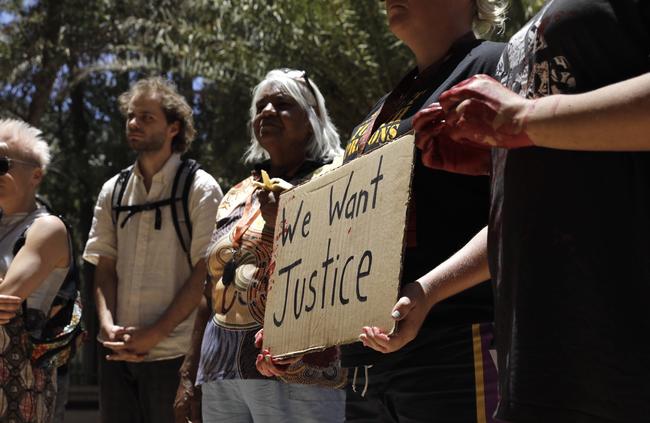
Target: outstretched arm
x,y
613,118
480,111
46,248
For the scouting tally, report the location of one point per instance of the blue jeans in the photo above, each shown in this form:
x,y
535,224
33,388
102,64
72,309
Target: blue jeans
x,y
138,392
270,401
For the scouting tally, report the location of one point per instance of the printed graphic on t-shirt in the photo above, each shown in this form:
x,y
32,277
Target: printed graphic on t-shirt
x,y
363,140
547,209
529,68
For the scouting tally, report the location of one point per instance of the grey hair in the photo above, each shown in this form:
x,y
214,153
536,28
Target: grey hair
x,y
490,16
324,143
26,141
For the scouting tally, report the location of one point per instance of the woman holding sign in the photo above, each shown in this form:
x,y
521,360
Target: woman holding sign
x,y
292,139
437,366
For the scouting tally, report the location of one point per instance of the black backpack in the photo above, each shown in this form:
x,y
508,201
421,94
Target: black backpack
x,y
62,334
182,181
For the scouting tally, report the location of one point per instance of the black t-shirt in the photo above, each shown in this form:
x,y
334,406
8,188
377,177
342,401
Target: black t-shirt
x,y
569,240
446,209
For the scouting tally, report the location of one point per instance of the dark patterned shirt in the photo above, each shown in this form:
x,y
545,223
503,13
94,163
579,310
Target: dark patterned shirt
x,y
570,232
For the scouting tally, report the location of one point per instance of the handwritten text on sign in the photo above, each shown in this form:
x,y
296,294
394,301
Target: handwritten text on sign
x,y
338,252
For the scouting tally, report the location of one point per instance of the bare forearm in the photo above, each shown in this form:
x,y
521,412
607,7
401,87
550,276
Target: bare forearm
x,y
45,248
187,405
105,291
466,268
185,302
23,276
463,270
613,118
191,362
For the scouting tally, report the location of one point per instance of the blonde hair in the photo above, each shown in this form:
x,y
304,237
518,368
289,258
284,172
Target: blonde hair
x,y
489,16
324,143
25,141
173,104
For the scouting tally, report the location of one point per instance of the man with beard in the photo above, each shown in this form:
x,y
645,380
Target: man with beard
x,y
147,281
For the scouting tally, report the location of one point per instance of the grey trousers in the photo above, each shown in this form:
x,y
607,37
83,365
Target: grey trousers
x,y
270,401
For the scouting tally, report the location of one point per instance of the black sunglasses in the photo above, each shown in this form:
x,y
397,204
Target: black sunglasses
x,y
6,163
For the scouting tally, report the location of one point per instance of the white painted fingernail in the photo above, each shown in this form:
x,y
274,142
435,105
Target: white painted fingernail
x,y
396,314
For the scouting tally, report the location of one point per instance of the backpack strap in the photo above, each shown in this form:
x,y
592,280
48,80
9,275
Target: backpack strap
x,y
118,193
136,208
61,334
183,180
70,287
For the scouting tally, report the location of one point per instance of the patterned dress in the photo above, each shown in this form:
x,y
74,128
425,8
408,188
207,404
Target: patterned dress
x,y
28,392
243,241
27,388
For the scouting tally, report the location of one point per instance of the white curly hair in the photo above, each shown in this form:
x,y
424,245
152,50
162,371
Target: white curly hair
x,y
25,142
325,143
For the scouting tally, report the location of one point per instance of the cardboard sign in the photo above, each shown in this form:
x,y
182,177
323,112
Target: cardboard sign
x,y
337,253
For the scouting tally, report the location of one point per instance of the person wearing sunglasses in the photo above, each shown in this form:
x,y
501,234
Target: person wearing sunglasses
x,y
292,140
438,366
35,259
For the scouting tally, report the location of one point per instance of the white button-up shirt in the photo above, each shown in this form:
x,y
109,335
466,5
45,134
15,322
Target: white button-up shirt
x,y
151,265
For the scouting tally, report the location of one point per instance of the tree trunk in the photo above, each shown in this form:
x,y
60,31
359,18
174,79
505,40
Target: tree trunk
x,y
50,62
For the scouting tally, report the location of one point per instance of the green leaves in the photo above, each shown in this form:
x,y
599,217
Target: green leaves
x,y
64,63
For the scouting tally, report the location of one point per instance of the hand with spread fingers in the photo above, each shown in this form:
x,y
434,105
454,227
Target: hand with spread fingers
x,y
9,306
268,365
410,311
439,151
482,112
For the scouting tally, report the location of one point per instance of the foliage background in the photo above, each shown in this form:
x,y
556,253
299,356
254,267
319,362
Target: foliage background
x,y
63,63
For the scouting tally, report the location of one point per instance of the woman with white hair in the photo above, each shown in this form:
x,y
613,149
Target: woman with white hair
x,y
292,138
35,259
437,366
